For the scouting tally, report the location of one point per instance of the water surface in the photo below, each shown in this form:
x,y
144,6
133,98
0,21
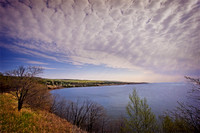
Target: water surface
x,y
160,96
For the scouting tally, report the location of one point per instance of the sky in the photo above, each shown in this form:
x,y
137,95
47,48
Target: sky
x,y
121,40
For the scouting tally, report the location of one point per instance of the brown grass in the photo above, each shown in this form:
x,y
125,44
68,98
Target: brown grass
x,y
29,121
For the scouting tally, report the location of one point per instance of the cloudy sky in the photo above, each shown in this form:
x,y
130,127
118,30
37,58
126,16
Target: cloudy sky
x,y
125,40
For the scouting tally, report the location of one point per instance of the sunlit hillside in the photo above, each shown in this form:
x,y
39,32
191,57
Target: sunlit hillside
x,y
28,120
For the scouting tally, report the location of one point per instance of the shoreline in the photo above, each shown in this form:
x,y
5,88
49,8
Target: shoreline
x,y
75,86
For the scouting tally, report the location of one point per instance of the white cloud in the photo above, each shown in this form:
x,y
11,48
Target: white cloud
x,y
48,68
158,36
36,62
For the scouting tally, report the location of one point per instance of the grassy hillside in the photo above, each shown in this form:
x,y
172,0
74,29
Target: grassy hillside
x,y
28,120
60,83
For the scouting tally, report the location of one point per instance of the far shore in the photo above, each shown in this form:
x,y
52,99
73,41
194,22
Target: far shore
x,y
54,87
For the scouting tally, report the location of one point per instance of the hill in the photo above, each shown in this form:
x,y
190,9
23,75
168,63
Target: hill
x,y
28,120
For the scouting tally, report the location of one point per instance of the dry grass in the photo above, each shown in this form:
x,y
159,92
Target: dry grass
x,y
29,121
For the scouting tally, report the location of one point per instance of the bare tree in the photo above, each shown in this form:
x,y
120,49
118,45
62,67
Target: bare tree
x,y
39,97
186,117
22,80
94,117
86,114
190,112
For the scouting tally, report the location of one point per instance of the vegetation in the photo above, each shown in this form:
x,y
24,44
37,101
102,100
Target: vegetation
x,y
29,107
186,118
22,81
191,112
141,119
85,114
67,83
28,120
26,107
174,125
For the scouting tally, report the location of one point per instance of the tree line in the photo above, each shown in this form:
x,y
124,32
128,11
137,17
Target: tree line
x,y
90,116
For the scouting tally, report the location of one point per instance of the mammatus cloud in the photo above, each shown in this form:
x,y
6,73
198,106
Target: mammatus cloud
x,y
160,36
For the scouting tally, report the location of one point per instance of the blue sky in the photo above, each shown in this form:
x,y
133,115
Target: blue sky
x,y
123,40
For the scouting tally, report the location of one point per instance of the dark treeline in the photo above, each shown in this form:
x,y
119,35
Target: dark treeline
x,y
90,116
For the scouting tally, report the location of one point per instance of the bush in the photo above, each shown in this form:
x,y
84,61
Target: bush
x,y
140,118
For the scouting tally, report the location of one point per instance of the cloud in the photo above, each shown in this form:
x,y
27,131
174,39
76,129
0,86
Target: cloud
x,y
48,68
158,36
31,61
36,62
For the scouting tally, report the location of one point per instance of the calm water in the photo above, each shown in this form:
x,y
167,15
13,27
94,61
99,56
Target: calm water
x,y
160,96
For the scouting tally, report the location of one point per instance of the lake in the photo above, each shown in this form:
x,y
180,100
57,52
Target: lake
x,y
160,96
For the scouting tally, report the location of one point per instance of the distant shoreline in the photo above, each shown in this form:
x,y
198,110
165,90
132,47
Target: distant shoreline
x,y
50,87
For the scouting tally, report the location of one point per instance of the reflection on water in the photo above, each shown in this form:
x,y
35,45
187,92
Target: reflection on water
x,y
160,96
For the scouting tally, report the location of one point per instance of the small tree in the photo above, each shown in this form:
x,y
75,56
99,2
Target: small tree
x,y
189,113
22,80
141,119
